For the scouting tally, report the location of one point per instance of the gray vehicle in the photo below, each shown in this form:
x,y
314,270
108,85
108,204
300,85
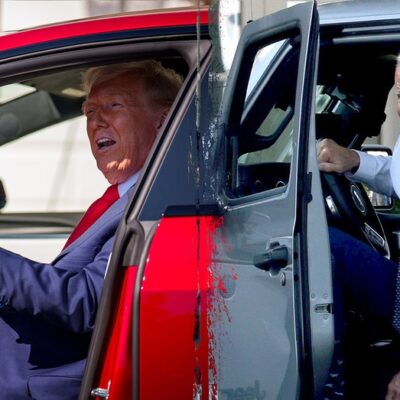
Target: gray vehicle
x,y
328,79
300,75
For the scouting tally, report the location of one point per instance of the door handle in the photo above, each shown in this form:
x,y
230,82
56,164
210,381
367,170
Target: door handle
x,y
274,259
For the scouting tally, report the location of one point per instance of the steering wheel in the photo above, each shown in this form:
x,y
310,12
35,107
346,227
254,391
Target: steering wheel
x,y
351,210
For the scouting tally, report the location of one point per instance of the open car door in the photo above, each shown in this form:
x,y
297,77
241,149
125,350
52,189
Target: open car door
x,y
273,326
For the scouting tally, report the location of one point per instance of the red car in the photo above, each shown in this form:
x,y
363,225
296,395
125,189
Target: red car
x,y
220,284
42,69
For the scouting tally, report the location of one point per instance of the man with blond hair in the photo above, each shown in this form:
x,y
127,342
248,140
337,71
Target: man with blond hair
x,y
48,311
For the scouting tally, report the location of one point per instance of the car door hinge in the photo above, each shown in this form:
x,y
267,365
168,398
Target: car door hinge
x,y
307,188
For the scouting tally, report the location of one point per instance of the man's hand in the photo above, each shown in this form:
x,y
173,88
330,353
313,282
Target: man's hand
x,y
334,158
393,392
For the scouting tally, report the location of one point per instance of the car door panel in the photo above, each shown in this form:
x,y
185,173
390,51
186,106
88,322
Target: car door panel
x,y
175,341
268,311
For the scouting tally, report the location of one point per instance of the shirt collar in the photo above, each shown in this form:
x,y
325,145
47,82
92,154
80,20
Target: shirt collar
x,y
126,185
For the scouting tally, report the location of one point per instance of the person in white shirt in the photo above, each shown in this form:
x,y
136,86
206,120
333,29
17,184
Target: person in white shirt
x,y
368,278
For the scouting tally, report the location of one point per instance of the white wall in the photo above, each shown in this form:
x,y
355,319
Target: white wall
x,y
52,170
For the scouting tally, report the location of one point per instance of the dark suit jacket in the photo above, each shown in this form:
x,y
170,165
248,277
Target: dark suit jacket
x,y
47,313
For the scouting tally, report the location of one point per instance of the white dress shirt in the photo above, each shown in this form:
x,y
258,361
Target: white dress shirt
x,y
125,186
381,173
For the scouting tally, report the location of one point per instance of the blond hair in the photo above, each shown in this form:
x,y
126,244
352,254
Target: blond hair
x,y
161,84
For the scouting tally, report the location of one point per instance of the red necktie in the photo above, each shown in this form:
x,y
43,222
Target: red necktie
x,y
109,197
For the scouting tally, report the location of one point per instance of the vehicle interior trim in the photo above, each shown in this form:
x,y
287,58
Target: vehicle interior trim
x,y
384,37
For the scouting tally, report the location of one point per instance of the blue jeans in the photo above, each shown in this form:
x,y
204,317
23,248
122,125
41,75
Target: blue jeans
x,y
363,278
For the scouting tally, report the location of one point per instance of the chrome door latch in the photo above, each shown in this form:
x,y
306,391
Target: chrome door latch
x,y
101,392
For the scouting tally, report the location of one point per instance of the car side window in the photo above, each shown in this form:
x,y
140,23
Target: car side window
x,y
260,155
46,164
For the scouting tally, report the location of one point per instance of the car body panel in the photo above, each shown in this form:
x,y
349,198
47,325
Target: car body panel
x,y
358,11
81,32
176,311
118,358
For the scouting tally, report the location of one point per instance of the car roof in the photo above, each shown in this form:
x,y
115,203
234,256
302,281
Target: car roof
x,y
337,12
148,23
358,11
